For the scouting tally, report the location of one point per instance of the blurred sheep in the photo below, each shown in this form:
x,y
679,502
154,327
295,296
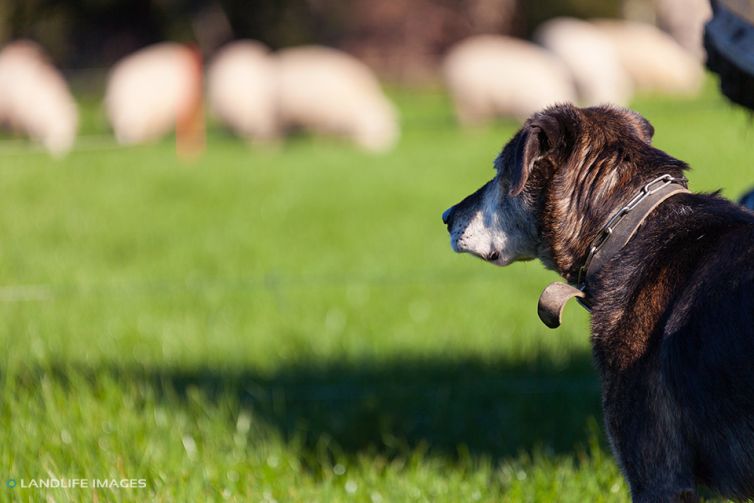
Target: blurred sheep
x,y
655,62
35,99
684,20
590,57
242,90
493,76
153,91
328,91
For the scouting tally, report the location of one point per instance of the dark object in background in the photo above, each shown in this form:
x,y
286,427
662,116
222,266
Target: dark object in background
x,y
729,42
747,200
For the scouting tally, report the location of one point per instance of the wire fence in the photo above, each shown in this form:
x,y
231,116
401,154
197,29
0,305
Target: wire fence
x,y
270,283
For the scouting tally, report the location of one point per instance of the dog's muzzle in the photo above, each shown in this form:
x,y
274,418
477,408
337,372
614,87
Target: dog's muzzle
x,y
447,216
447,219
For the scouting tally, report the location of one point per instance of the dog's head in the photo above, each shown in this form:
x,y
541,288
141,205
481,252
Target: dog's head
x,y
556,183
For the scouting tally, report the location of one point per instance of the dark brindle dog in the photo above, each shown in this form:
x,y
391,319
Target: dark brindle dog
x,y
672,309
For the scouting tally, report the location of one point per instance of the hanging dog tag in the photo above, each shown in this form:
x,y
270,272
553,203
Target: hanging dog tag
x,y
553,300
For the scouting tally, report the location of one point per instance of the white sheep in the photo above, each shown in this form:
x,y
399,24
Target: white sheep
x,y
242,89
494,76
35,99
591,58
328,91
655,62
684,20
152,91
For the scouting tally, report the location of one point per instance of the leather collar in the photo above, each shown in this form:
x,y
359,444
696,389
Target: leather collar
x,y
618,231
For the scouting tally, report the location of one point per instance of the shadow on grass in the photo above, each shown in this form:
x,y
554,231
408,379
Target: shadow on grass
x,y
452,408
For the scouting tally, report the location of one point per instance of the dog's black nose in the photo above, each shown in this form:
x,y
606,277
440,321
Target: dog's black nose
x,y
447,215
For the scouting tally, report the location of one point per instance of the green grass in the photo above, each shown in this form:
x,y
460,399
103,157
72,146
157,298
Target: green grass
x,y
291,324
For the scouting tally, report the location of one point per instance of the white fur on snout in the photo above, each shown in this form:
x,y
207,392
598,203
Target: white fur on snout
x,y
500,229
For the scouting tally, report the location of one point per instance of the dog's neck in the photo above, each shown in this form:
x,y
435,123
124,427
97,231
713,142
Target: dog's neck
x,y
578,203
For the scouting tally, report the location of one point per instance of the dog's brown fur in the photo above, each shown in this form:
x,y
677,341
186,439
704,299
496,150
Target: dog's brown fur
x,y
673,311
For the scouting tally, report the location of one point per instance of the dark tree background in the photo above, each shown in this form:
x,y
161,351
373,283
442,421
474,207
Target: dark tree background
x,y
402,39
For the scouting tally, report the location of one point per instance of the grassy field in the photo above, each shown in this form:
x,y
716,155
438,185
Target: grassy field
x,y
290,324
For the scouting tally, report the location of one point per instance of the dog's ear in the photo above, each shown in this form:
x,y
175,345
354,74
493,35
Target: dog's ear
x,y
540,136
644,127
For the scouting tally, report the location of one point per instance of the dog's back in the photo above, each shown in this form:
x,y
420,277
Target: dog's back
x,y
708,347
693,267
